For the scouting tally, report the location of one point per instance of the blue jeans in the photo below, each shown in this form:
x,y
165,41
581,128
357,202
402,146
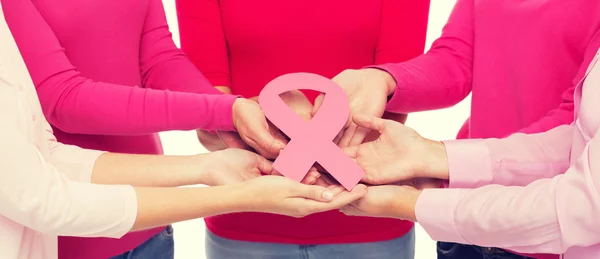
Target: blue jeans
x,y
221,248
160,246
460,251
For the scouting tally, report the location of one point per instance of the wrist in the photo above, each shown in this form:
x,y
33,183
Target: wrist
x,y
389,81
404,208
436,164
238,105
246,200
201,165
227,199
411,214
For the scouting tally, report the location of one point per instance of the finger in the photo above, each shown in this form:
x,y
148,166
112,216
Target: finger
x,y
351,210
264,165
311,177
351,151
321,182
348,134
274,172
338,137
329,179
336,189
342,199
317,104
359,136
314,192
370,122
265,143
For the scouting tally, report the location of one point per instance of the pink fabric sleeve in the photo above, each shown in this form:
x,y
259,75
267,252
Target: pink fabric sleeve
x,y
518,160
39,196
162,64
546,216
80,105
403,30
74,162
443,76
200,20
564,113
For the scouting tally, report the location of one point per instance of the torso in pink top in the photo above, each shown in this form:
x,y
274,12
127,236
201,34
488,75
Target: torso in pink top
x,y
517,58
253,42
101,69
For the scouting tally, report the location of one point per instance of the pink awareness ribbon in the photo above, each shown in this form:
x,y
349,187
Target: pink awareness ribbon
x,y
310,141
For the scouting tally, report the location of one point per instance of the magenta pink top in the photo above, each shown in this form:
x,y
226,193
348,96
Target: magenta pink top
x,y
519,59
244,44
109,77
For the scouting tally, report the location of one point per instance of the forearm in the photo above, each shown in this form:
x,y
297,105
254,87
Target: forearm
x,y
163,65
442,77
76,104
150,170
163,206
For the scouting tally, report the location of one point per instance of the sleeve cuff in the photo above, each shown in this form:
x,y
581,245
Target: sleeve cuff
x,y
469,163
130,212
74,162
224,107
123,214
435,212
400,100
91,156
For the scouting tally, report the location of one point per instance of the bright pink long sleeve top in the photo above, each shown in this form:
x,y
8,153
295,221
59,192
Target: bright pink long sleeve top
x,y
109,77
518,58
245,44
553,205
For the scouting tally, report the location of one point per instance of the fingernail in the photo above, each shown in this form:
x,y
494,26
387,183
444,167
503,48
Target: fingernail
x,y
327,195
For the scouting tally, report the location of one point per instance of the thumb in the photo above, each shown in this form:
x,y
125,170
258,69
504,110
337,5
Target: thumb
x,y
351,151
265,141
264,165
351,210
314,192
317,104
370,122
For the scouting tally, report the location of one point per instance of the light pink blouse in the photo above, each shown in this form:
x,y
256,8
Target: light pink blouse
x,y
528,193
44,185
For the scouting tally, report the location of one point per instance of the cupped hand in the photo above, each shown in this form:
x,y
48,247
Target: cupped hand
x,y
220,140
254,130
385,201
233,166
283,196
399,153
367,91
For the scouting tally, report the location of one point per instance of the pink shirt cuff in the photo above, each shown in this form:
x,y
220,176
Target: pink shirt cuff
x,y
469,163
435,212
400,100
225,107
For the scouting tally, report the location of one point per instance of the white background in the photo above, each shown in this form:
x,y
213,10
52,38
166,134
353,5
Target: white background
x,y
439,125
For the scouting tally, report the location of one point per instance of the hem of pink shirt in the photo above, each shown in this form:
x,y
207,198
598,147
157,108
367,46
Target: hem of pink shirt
x,y
435,212
469,163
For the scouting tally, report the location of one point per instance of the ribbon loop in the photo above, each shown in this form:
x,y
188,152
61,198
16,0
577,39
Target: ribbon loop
x,y
310,141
